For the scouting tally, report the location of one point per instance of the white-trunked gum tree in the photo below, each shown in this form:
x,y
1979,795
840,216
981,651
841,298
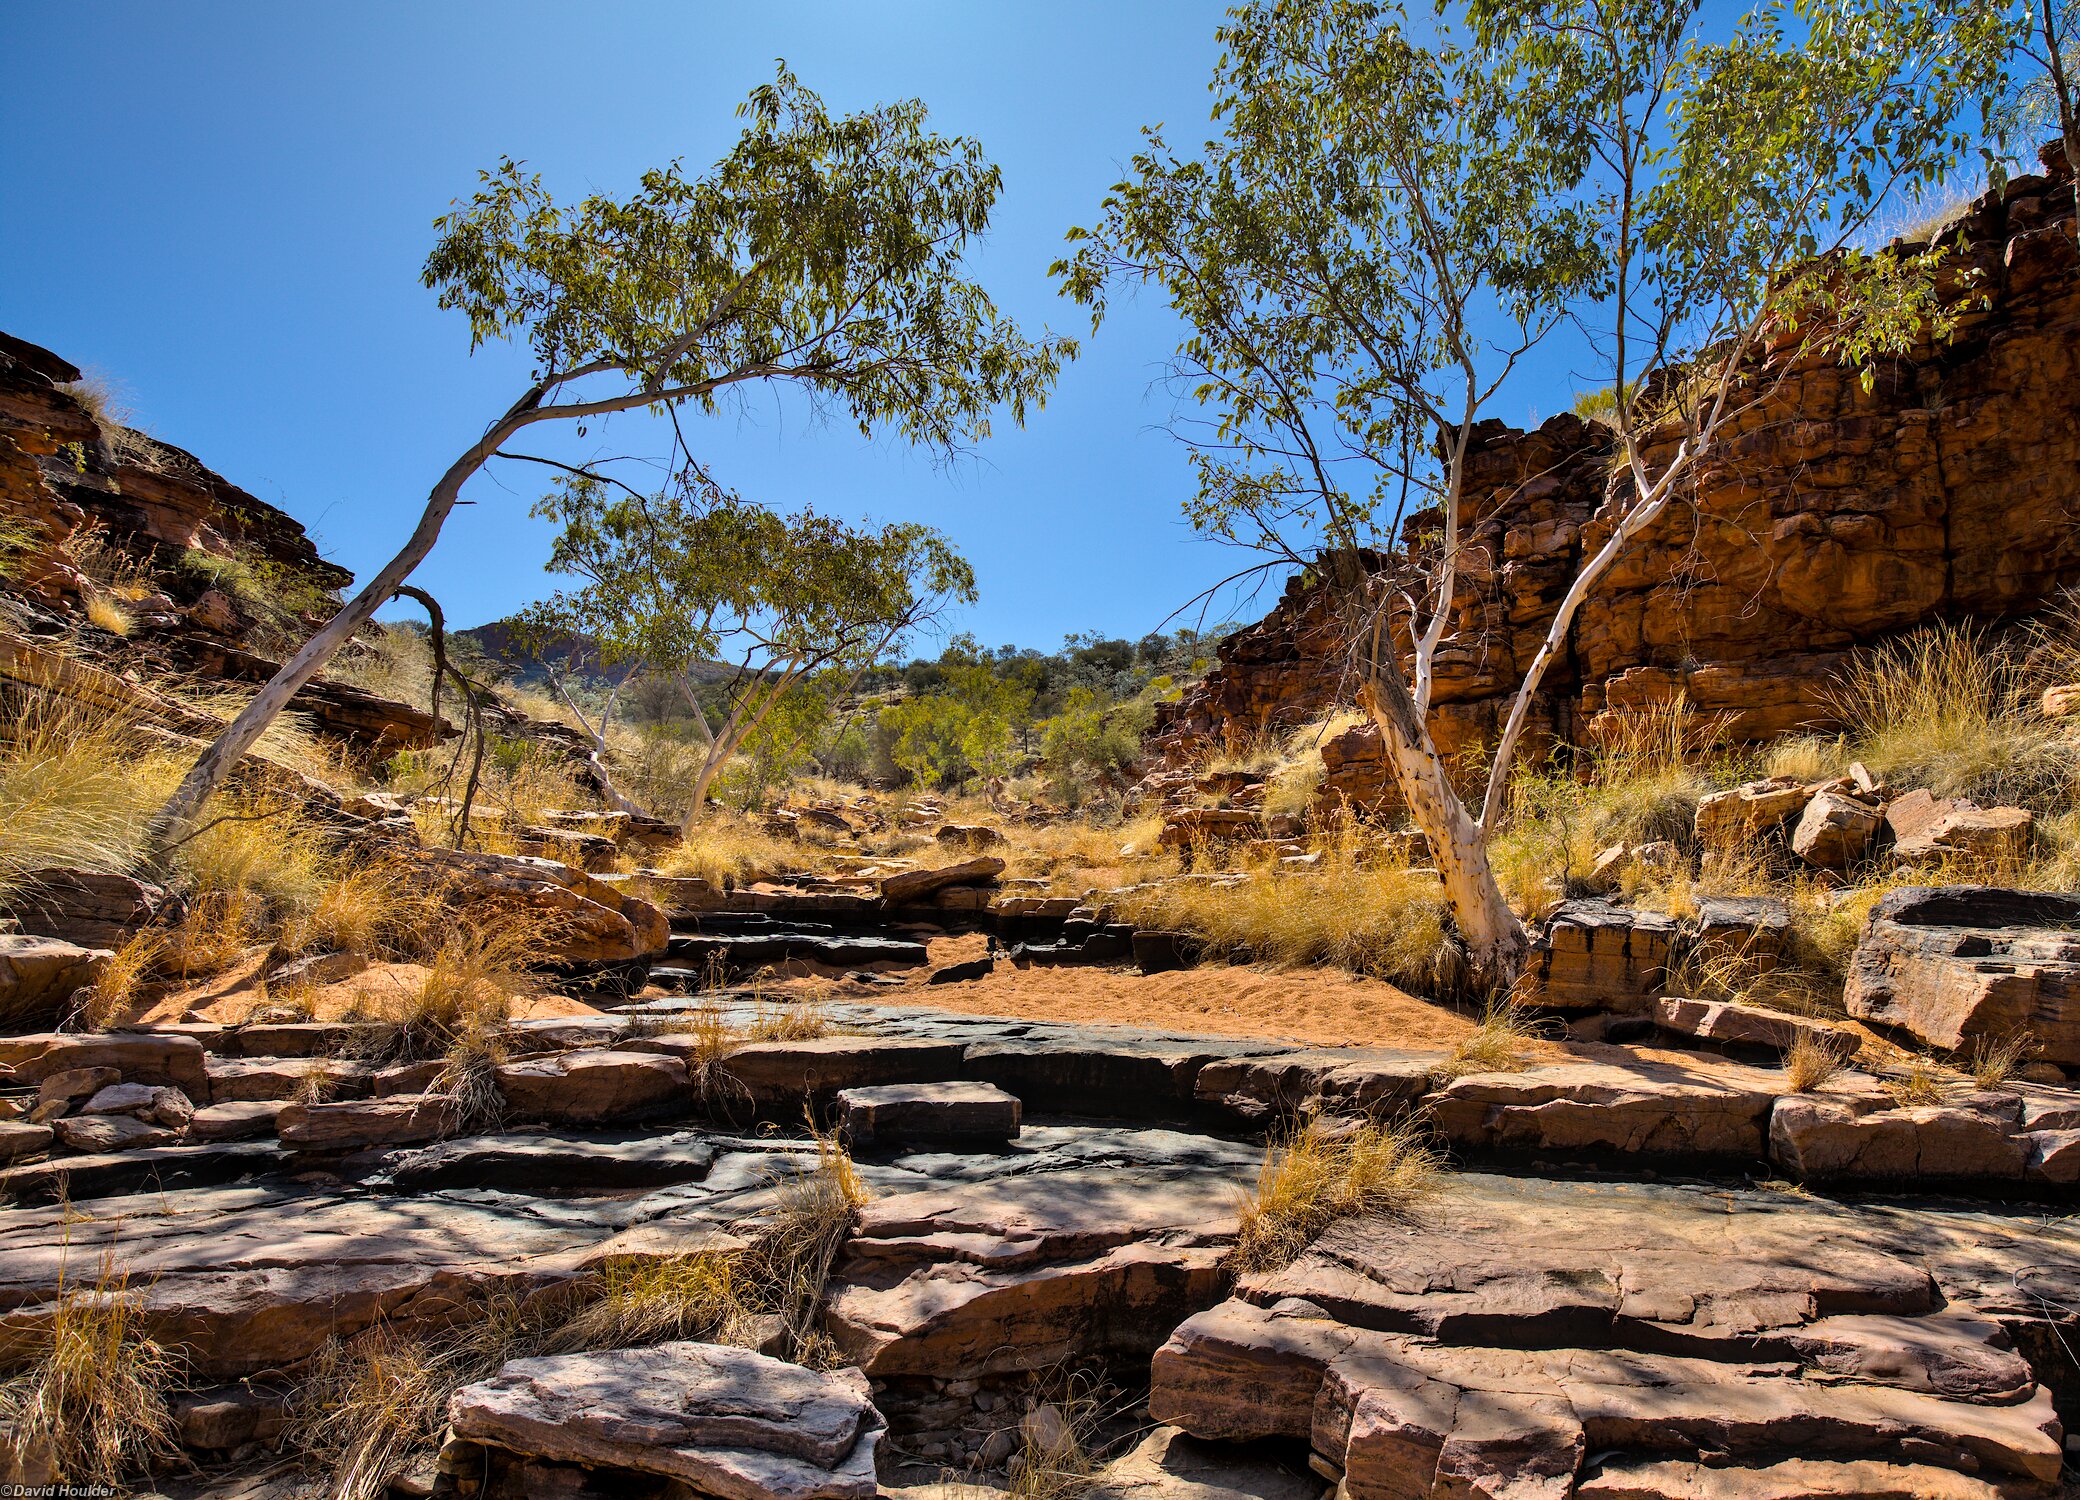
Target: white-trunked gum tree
x,y
823,255
1398,210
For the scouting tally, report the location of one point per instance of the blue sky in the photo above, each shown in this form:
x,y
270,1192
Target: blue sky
x,y
223,209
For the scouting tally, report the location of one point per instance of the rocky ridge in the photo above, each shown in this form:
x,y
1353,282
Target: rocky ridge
x,y
1834,518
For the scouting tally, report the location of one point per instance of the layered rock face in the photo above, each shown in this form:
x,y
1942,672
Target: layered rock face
x,y
1830,518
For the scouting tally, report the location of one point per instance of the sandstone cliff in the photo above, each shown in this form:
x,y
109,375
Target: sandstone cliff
x,y
1833,518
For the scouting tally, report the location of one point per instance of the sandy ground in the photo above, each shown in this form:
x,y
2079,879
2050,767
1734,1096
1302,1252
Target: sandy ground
x,y
1321,1006
234,995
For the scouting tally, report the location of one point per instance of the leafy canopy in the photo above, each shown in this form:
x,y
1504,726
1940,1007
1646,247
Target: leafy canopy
x,y
1396,211
819,250
695,573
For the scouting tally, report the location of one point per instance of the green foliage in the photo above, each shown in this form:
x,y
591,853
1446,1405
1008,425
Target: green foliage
x,y
822,250
271,591
1093,744
695,573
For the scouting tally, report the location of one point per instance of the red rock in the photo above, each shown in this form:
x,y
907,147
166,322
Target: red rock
x,y
915,885
594,1087
1952,965
1835,831
357,1123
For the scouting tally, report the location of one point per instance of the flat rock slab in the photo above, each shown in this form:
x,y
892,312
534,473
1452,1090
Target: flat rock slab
x,y
1955,965
161,1168
1288,1085
240,1079
1525,1327
980,1116
1708,1110
1096,1071
729,1422
1023,1272
550,1165
356,1124
140,1057
785,1074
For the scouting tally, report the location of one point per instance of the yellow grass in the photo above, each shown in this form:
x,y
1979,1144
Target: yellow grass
x,y
1810,1063
1500,1044
105,613
729,849
1920,1080
77,785
1948,708
1326,1172
1384,922
90,1389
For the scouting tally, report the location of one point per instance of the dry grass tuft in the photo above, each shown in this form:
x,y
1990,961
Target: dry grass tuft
x,y
1060,1444
1810,1063
1920,1080
91,1394
1500,1044
1948,707
77,785
1325,1172
122,980
1993,1064
104,612
632,1301
465,994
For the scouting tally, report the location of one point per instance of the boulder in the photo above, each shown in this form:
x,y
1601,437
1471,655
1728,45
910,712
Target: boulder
x,y
90,908
161,1106
915,885
68,1087
969,836
110,1133
1640,1109
1835,831
354,1124
1024,1272
962,1116
40,975
1596,955
595,922
595,1086
728,1422
1865,1137
1951,965
1938,829
1726,820
1735,1023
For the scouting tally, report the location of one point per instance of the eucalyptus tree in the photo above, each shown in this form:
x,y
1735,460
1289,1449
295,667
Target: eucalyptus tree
x,y
822,253
694,576
2046,92
1396,213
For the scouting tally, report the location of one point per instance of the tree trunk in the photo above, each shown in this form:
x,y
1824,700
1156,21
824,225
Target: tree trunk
x,y
1495,940
172,823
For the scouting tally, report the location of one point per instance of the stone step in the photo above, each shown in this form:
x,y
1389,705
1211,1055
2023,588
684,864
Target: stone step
x,y
965,1116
